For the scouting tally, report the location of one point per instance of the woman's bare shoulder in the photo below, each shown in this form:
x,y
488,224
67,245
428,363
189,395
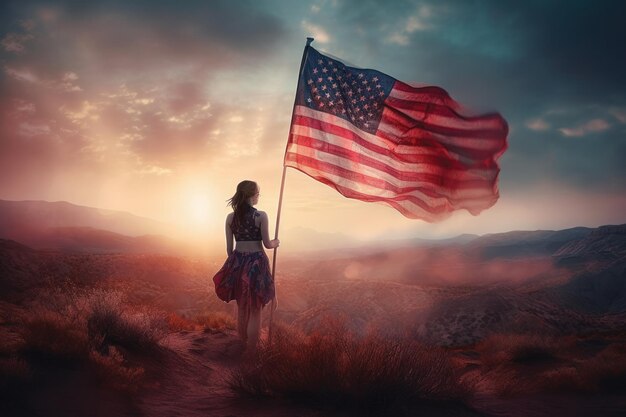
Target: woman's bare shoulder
x,y
229,216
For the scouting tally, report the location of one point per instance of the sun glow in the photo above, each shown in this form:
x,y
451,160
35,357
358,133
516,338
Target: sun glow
x,y
199,209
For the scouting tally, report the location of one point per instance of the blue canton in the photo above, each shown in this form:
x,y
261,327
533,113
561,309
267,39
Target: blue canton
x,y
354,94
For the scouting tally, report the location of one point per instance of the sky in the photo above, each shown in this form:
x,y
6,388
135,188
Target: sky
x,y
160,108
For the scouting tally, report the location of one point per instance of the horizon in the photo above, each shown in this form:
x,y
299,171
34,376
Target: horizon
x,y
288,250
140,117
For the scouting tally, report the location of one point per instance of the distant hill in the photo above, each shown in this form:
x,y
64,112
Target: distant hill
x,y
18,218
67,227
517,244
600,284
512,258
91,240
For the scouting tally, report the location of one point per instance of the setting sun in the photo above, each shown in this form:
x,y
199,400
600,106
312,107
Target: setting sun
x,y
199,208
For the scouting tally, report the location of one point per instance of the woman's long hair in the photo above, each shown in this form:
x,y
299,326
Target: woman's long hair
x,y
239,202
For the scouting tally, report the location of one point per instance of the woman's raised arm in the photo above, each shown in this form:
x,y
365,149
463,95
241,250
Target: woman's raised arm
x,y
269,244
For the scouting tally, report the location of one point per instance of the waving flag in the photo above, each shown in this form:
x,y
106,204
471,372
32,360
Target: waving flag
x,y
377,139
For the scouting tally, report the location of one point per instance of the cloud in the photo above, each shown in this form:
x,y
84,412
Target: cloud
x,y
29,130
153,37
319,33
537,124
14,42
619,114
592,126
419,21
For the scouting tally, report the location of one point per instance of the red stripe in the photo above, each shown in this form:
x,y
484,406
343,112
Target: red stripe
x,y
347,192
402,192
439,175
428,139
444,158
444,114
396,117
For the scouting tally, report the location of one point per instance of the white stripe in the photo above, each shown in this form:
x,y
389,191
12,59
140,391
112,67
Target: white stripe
x,y
385,143
446,193
468,143
389,160
338,121
475,206
490,123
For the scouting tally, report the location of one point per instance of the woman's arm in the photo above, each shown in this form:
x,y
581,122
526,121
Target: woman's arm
x,y
269,244
229,234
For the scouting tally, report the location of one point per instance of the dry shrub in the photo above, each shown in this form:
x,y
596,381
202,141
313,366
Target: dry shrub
x,y
522,348
217,320
177,323
109,324
111,369
606,371
52,334
333,366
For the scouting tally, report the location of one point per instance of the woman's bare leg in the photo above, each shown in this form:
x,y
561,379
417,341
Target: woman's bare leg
x,y
242,321
254,327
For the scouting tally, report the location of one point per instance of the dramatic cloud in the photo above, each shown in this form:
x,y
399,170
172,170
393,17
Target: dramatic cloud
x,y
98,98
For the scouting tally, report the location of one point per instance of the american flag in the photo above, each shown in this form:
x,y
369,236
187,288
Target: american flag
x,y
377,139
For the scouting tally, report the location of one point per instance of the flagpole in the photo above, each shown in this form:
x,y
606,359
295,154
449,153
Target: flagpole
x,y
282,186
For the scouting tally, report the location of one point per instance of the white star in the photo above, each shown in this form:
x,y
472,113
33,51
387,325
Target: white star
x,y
361,75
309,99
320,62
324,70
375,79
314,70
310,82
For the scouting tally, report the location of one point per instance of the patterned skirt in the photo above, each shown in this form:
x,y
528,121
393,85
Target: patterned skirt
x,y
247,278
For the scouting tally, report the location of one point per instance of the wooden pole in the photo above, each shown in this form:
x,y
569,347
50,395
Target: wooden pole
x,y
282,186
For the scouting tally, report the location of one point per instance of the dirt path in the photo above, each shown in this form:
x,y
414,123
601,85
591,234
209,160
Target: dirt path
x,y
192,380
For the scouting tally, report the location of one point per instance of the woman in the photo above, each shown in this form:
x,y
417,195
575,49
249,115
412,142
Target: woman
x,y
246,275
